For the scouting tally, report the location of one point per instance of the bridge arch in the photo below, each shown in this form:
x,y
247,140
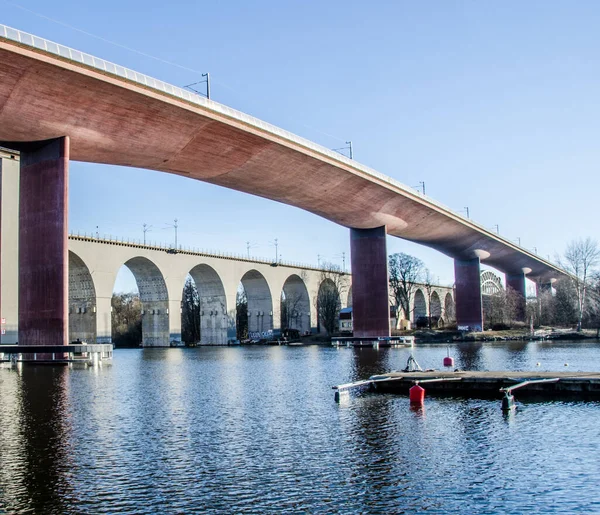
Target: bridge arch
x,y
490,283
82,301
213,305
435,306
260,304
155,301
329,303
449,308
296,314
419,305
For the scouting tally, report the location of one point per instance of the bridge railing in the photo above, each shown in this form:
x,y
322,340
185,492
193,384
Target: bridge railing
x,y
65,52
113,240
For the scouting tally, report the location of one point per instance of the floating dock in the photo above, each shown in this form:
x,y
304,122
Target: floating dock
x,y
56,354
375,342
550,385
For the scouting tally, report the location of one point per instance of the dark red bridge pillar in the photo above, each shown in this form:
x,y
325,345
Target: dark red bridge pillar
x,y
43,252
370,294
517,283
469,313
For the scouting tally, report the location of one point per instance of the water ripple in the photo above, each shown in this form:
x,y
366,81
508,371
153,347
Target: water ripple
x,y
255,430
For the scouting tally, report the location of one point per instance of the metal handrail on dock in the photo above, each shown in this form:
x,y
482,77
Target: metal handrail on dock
x,y
78,352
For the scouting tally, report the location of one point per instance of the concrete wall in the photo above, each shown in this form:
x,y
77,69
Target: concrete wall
x,y
9,247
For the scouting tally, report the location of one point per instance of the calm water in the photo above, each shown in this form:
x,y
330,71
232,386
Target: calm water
x,y
256,430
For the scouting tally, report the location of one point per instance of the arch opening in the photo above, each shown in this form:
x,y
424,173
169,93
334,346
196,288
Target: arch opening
x,y
420,309
295,305
208,320
150,304
260,305
449,309
82,301
329,304
435,310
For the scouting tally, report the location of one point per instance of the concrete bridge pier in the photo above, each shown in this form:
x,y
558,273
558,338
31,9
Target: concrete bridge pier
x,y
174,321
103,320
516,281
43,245
469,312
370,290
542,287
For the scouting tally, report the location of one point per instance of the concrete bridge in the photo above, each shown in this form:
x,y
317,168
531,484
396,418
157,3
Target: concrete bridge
x,y
58,104
160,274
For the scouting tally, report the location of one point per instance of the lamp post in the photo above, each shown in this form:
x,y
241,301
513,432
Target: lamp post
x,y
497,229
467,210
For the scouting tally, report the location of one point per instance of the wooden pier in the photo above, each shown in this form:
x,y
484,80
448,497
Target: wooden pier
x,y
549,385
56,354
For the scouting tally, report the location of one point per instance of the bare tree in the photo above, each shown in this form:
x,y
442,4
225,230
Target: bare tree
x,y
500,309
241,314
332,284
405,272
126,319
291,304
580,259
593,307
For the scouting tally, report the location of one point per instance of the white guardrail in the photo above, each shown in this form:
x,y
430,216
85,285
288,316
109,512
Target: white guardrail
x,y
120,71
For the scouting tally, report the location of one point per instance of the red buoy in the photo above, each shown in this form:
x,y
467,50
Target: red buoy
x,y
416,394
448,361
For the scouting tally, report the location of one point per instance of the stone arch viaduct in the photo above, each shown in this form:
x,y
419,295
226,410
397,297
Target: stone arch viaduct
x,y
58,104
160,276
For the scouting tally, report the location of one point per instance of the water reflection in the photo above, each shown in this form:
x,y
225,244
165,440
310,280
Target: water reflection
x,y
256,430
367,362
469,356
37,432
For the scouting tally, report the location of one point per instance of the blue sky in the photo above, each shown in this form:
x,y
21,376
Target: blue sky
x,y
493,106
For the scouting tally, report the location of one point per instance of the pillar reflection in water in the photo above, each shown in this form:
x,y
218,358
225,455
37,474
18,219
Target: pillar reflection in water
x,y
368,361
469,356
37,436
